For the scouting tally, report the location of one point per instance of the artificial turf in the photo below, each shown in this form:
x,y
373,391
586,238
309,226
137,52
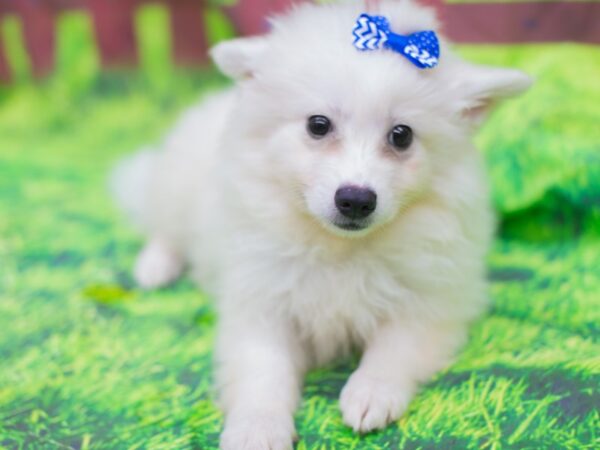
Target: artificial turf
x,y
87,361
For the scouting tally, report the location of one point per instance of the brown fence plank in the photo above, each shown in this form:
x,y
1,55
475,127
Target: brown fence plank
x,y
113,24
522,22
5,73
250,17
7,6
432,3
39,34
187,28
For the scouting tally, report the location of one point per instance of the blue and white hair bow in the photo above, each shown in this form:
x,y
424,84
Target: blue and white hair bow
x,y
373,33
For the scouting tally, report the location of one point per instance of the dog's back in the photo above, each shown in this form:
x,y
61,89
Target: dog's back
x,y
158,187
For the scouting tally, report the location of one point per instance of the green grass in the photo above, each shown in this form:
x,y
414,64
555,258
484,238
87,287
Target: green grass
x,y
87,361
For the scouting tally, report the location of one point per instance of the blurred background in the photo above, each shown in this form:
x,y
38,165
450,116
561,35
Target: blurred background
x,y
89,361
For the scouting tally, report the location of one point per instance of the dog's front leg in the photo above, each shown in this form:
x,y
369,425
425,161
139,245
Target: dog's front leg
x,y
259,370
396,359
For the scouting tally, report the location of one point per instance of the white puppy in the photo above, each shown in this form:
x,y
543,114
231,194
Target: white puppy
x,y
332,201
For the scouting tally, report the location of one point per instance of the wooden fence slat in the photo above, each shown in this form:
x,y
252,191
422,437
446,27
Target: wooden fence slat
x,y
189,41
522,22
282,5
39,34
432,3
113,24
250,17
7,6
5,73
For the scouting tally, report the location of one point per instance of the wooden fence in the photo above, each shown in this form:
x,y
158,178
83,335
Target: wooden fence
x,y
115,37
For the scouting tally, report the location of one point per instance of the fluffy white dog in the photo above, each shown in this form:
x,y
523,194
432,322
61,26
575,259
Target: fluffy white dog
x,y
331,201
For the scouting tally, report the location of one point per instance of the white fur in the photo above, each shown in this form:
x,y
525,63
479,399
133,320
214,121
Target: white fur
x,y
245,196
157,265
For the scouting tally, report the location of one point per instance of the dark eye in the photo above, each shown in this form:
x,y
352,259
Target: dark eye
x,y
319,126
401,137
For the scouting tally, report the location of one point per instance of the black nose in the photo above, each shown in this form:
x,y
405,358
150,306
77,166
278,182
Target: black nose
x,y
355,202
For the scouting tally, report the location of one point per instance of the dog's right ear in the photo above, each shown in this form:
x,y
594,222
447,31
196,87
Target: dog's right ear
x,y
237,58
482,86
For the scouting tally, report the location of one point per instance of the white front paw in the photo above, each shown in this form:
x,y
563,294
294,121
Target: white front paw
x,y
258,432
368,403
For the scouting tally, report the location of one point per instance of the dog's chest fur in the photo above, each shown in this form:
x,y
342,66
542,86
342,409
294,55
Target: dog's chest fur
x,y
334,302
338,306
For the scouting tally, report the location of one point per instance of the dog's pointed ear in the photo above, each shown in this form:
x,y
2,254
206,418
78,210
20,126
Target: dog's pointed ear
x,y
481,87
237,58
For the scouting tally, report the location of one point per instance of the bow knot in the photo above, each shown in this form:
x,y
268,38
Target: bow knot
x,y
373,33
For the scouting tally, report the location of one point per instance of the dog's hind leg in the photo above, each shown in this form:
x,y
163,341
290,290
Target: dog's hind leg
x,y
157,264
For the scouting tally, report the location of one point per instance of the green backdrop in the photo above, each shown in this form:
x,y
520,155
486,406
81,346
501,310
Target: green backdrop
x,y
89,362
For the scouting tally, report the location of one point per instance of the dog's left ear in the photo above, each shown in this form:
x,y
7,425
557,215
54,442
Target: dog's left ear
x,y
237,58
480,87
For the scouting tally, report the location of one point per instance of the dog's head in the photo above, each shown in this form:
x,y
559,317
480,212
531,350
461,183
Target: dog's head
x,y
350,138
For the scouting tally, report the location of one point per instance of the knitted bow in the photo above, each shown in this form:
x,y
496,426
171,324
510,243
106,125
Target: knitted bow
x,y
373,33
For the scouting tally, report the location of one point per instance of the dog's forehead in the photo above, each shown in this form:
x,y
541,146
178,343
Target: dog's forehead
x,y
355,84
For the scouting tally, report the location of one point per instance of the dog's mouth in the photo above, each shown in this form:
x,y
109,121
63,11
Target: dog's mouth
x,y
351,225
